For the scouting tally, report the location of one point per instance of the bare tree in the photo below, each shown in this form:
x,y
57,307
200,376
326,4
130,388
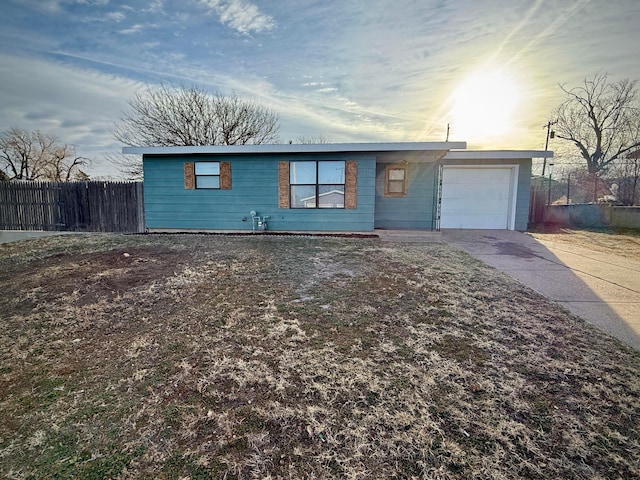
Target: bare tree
x,y
602,119
185,116
26,155
129,166
312,140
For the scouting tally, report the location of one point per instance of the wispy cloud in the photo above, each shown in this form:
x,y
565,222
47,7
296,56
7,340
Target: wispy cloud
x,y
155,7
81,111
48,6
99,3
115,16
241,15
327,90
133,29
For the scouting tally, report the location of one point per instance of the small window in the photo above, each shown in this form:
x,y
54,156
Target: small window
x,y
207,174
395,182
317,184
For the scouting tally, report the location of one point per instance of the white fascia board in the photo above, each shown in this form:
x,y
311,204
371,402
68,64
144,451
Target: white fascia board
x,y
496,154
296,148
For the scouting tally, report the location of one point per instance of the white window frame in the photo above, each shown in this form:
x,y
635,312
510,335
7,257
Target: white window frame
x,y
206,175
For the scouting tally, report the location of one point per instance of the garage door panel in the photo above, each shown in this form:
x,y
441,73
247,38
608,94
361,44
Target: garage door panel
x,y
476,176
477,197
482,198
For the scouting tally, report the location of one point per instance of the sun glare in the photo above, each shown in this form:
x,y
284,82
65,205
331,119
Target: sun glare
x,y
484,106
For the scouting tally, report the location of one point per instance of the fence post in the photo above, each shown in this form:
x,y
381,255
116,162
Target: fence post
x,y
140,207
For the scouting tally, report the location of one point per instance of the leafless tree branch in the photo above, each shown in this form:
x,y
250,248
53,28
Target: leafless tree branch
x,y
130,166
602,120
312,140
26,155
186,116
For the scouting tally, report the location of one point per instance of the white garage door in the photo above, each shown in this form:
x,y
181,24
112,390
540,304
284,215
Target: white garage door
x,y
478,197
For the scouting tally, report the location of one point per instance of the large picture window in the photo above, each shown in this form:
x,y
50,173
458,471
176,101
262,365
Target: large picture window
x,y
318,184
207,174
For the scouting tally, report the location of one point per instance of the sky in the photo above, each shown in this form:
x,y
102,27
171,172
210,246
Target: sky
x,y
346,70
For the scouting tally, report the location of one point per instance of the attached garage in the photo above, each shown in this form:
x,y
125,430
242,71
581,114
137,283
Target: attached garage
x,y
481,197
485,189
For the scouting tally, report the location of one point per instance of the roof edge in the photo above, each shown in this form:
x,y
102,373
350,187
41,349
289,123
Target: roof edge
x,y
296,148
496,154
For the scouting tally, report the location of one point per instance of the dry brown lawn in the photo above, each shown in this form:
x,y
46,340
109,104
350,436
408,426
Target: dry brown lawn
x,y
175,356
621,242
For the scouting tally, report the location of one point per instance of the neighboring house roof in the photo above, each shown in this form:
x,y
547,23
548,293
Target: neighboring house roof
x,y
341,192
332,192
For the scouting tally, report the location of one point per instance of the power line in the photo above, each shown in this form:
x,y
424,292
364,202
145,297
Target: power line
x,y
584,163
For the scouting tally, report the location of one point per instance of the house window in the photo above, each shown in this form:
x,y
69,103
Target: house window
x,y
395,181
317,184
207,174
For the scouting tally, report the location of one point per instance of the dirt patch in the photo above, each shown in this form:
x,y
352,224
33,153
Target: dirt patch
x,y
88,277
196,356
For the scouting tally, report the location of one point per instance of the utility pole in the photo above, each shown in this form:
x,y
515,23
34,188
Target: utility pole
x,y
549,199
550,134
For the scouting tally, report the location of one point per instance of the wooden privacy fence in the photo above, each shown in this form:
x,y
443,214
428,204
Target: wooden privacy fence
x,y
537,203
72,206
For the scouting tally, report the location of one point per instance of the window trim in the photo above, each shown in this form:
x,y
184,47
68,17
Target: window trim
x,y
387,180
318,186
190,176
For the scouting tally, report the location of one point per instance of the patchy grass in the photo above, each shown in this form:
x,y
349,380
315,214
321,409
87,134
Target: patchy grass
x,y
271,357
624,242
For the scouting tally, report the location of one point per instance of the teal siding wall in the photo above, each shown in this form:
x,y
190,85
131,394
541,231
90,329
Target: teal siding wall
x,y
524,185
254,182
255,187
524,195
416,209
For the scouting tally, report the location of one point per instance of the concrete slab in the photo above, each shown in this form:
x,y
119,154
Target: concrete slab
x,y
409,236
609,290
561,286
505,262
17,235
602,288
605,258
607,318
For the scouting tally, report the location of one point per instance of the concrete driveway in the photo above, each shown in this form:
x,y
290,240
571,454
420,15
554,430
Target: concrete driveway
x,y
604,289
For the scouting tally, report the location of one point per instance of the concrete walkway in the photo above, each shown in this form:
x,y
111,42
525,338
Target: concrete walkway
x,y
7,236
602,288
